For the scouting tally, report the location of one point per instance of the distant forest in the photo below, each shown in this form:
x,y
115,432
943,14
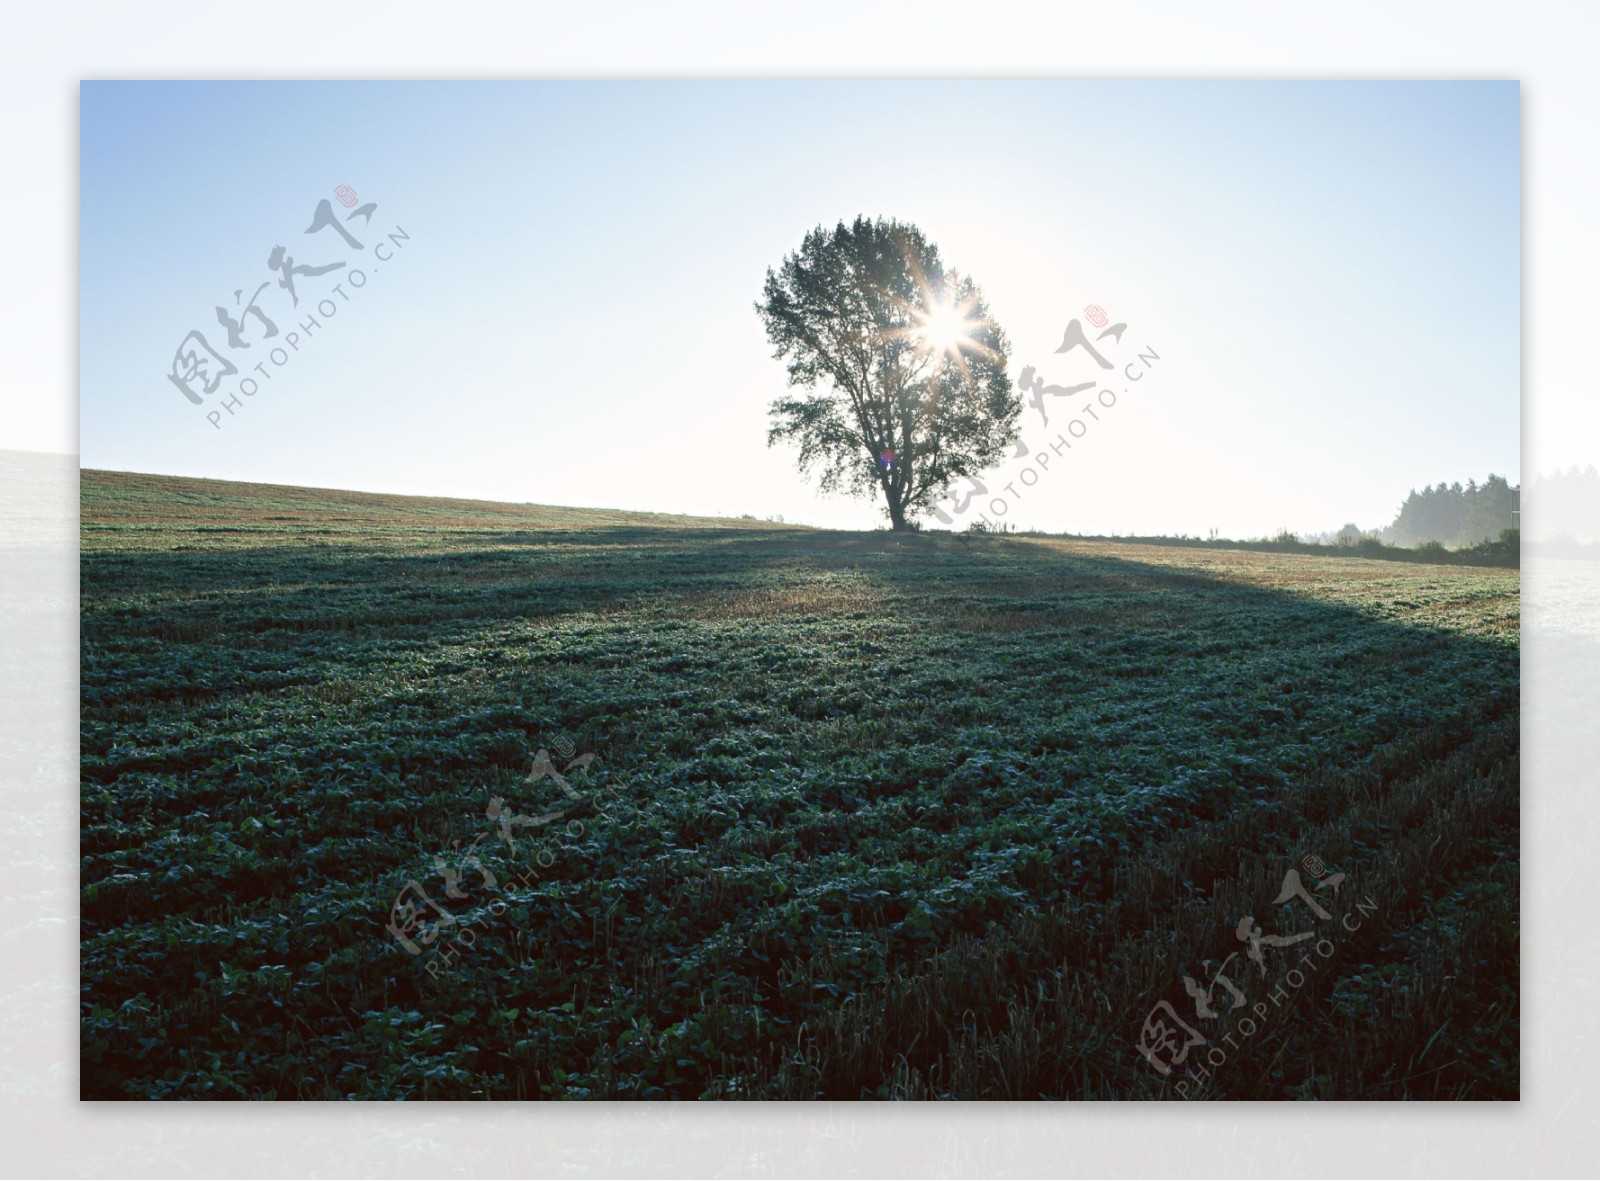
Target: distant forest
x,y
1451,515
1565,507
1455,516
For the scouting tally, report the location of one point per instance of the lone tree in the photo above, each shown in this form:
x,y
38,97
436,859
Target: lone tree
x,y
898,374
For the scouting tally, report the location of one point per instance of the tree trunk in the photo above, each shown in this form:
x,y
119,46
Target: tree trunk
x,y
897,515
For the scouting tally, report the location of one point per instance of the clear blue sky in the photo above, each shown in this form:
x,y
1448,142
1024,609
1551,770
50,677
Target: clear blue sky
x,y
1329,272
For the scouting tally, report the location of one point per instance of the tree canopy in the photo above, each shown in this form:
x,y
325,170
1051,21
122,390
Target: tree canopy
x,y
1455,516
897,370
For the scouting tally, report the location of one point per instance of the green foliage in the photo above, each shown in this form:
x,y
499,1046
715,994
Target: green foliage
x,y
849,313
1456,516
1505,550
873,815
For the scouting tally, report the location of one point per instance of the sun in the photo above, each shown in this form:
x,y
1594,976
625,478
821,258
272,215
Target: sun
x,y
945,327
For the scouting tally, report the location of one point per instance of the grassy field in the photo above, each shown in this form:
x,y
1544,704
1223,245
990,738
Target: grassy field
x,y
869,815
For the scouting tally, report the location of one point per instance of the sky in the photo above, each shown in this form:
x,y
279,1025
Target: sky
x,y
557,284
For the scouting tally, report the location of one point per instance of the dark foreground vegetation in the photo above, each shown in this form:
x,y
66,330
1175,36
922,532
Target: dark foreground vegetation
x,y
870,815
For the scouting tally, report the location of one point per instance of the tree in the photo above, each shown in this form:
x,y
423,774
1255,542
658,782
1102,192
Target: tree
x,y
897,371
1451,515
1490,512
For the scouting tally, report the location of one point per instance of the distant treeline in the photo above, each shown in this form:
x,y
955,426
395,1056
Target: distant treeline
x,y
1455,516
1474,525
1504,550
